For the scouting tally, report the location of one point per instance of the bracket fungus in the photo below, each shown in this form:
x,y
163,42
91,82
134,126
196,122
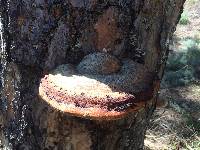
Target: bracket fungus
x,y
99,87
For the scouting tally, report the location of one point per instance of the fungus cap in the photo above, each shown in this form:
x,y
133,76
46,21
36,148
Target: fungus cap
x,y
94,96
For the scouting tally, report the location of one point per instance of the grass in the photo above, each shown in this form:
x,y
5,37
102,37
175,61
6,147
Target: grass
x,y
173,128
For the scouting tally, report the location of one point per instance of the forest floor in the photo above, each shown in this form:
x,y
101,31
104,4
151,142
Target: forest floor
x,y
177,125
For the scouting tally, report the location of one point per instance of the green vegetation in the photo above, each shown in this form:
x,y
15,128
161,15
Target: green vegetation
x,y
194,145
192,2
184,20
186,145
183,66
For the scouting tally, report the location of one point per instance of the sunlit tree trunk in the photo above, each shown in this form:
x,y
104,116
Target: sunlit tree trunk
x,y
41,34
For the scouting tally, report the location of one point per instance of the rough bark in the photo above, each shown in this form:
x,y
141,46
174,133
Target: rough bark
x,y
39,35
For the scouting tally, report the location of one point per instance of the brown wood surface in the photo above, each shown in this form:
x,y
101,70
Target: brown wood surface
x,y
42,34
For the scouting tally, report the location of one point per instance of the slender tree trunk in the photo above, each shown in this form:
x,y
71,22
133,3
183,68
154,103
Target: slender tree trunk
x,y
41,34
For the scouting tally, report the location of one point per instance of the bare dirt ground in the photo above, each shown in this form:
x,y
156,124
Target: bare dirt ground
x,y
177,125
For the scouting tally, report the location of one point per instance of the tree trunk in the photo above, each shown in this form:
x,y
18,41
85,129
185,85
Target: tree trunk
x,y
40,35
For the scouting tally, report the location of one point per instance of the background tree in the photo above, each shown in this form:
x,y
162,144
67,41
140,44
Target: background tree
x,y
40,35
